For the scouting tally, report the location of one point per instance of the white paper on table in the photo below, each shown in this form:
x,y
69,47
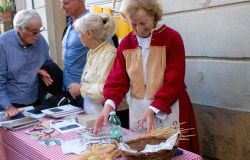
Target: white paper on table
x,y
74,146
61,109
65,126
98,136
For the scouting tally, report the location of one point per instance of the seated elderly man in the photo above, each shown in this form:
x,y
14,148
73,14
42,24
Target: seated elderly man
x,y
23,51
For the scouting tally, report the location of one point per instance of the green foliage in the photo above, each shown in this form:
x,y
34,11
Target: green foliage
x,y
6,7
1,9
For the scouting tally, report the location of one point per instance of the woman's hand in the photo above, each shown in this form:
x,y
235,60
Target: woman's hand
x,y
45,77
74,89
12,111
147,117
102,119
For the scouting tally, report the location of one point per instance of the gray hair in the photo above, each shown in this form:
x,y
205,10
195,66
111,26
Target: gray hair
x,y
101,25
23,17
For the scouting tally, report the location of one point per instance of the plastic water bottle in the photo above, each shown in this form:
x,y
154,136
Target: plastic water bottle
x,y
115,133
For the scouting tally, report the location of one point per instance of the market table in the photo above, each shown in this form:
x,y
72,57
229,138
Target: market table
x,y
16,145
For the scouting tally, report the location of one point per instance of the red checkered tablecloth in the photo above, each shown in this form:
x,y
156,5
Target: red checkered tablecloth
x,y
16,145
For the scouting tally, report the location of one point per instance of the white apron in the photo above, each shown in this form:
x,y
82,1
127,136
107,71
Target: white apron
x,y
137,109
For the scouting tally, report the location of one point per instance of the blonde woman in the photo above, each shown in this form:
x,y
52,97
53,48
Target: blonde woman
x,y
94,30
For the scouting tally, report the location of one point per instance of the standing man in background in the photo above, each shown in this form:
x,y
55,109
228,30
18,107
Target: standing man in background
x,y
74,53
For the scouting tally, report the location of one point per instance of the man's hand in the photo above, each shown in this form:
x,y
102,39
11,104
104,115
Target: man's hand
x,y
74,89
12,111
102,119
45,77
147,117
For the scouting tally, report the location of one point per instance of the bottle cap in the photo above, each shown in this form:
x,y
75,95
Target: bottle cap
x,y
112,113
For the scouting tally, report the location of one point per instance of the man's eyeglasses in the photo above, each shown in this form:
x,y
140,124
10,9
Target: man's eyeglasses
x,y
36,32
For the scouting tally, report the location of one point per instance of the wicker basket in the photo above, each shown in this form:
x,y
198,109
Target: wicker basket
x,y
139,144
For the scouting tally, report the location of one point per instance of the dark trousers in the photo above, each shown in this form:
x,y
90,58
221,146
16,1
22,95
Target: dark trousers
x,y
78,101
57,86
56,74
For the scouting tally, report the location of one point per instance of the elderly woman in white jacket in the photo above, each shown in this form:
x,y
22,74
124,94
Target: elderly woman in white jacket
x,y
94,30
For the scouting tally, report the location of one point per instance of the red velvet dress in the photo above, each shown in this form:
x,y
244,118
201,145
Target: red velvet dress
x,y
124,76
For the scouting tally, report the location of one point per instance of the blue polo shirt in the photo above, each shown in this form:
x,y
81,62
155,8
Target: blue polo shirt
x,y
74,56
18,68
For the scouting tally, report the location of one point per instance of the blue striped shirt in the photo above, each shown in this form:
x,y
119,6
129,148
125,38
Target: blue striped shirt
x,y
18,68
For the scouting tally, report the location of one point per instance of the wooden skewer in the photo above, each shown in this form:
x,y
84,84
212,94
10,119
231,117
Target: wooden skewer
x,y
182,132
182,123
184,139
168,131
184,136
187,129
